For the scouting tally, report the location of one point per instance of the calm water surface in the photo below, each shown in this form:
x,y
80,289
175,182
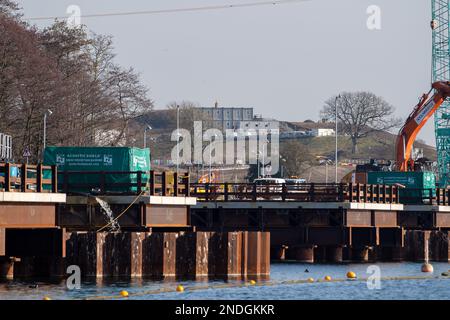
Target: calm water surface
x,y
277,287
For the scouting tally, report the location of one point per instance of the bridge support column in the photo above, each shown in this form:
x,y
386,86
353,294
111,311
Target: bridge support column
x,y
279,252
334,254
360,254
303,254
397,254
320,254
6,268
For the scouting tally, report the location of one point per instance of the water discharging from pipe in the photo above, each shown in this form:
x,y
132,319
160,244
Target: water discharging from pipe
x,y
113,224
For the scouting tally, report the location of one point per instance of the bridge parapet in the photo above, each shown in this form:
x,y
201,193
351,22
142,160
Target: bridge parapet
x,y
307,192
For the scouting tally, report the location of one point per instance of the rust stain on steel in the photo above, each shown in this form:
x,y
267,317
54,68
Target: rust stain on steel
x,y
254,253
161,215
169,254
2,242
201,254
384,218
442,220
28,215
358,218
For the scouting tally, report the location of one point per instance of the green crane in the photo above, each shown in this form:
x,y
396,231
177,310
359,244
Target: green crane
x,y
441,72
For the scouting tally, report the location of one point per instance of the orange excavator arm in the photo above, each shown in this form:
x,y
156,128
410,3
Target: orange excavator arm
x,y
417,119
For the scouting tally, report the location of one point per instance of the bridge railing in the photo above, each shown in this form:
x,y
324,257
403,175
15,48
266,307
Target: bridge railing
x,y
27,178
152,183
307,192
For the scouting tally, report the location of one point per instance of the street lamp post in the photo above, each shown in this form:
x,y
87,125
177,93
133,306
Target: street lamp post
x,y
263,167
336,138
147,128
47,113
178,137
210,156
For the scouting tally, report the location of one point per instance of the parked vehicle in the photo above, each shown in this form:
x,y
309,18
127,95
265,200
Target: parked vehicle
x,y
295,181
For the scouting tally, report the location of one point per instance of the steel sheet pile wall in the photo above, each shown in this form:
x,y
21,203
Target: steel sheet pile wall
x,y
169,254
437,242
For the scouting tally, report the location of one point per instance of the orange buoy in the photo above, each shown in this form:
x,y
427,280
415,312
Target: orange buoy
x,y
427,267
310,280
327,278
124,293
180,288
252,282
351,275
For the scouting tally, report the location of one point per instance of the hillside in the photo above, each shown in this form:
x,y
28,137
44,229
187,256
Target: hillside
x,y
379,145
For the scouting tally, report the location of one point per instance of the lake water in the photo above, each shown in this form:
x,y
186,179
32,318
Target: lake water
x,y
283,284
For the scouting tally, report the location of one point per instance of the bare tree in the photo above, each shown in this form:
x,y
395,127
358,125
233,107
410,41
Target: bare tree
x,y
130,98
295,157
359,114
189,112
70,72
9,8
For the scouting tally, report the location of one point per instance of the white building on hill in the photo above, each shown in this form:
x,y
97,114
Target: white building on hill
x,y
322,132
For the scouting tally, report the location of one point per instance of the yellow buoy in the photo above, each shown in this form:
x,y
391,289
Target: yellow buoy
x,y
252,282
310,280
180,288
124,293
427,267
351,275
327,278
46,298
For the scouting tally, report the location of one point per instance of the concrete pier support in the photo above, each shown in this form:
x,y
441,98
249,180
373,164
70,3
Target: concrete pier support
x,y
360,254
334,254
302,253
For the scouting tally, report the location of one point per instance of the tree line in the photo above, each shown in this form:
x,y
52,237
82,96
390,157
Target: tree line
x,y
69,73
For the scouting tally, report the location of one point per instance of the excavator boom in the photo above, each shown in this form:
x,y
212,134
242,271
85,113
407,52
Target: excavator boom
x,y
417,119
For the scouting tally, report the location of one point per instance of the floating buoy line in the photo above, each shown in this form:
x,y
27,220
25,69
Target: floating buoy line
x,y
179,289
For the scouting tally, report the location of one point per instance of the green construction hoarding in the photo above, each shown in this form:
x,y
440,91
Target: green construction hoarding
x,y
418,186
95,160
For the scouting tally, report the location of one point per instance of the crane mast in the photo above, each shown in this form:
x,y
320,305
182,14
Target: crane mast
x,y
441,72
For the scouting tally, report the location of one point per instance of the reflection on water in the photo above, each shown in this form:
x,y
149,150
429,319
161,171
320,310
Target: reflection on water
x,y
281,285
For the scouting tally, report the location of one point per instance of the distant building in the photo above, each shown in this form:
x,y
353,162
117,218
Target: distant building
x,y
5,147
322,132
225,117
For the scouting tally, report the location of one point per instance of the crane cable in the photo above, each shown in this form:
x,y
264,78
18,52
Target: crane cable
x,y
176,10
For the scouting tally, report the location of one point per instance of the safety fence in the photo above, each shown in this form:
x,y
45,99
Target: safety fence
x,y
27,178
124,182
305,192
